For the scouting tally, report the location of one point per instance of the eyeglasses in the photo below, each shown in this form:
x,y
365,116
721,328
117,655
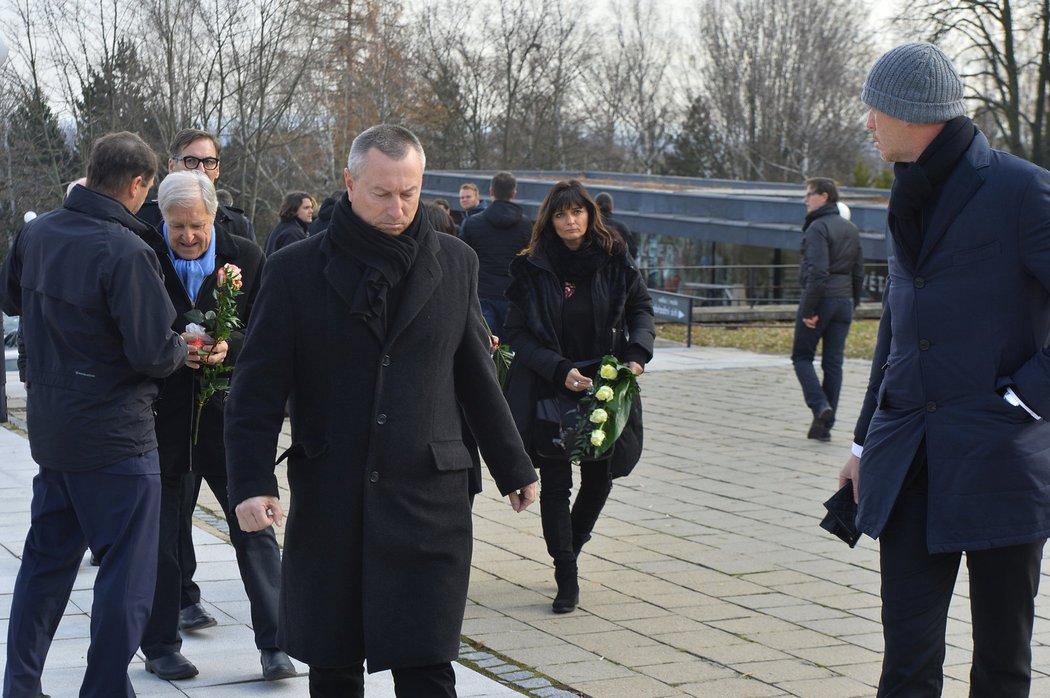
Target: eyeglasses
x,y
808,193
191,162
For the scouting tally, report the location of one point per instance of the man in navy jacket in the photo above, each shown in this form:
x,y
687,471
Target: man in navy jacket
x,y
952,448
97,328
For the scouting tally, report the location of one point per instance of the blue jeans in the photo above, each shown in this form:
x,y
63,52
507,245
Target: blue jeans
x,y
835,315
494,310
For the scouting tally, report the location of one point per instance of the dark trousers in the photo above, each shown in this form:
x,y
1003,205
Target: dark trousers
x,y
258,560
916,591
495,310
436,681
114,511
566,530
835,314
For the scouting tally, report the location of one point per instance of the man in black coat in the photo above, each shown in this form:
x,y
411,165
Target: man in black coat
x,y
194,149
831,273
372,333
497,234
192,250
97,327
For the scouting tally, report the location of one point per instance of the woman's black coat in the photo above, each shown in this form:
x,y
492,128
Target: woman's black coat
x,y
176,406
378,537
624,327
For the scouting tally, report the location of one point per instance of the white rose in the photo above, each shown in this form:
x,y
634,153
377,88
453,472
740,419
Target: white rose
x,y
605,393
597,437
599,416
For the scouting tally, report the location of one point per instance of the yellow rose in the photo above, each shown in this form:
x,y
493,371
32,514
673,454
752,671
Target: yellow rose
x,y
608,372
597,437
599,416
605,393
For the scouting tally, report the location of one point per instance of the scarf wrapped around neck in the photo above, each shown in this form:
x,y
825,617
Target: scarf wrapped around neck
x,y
192,272
916,184
386,258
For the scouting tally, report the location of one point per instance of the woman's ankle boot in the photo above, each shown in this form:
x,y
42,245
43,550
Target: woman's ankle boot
x,y
565,574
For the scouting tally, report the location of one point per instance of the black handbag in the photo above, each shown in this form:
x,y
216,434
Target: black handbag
x,y
554,427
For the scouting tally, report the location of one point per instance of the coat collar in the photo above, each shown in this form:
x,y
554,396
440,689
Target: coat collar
x,y
957,192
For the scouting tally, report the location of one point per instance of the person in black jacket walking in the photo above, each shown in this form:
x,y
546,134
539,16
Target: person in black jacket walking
x,y
831,273
192,250
497,234
575,297
97,326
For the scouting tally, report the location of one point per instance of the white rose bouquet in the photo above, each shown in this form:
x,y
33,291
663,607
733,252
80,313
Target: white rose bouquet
x,y
604,409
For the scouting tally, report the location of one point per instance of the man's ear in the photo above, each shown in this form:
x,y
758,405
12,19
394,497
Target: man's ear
x,y
349,181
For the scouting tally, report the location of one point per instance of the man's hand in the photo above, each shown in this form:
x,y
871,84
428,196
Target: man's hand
x,y
214,354
811,322
258,513
851,471
199,354
636,368
520,500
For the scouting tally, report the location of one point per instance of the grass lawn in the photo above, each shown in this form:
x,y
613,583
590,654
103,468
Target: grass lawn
x,y
769,339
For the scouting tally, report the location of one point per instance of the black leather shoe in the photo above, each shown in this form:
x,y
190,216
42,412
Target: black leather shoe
x,y
195,618
171,667
276,665
819,429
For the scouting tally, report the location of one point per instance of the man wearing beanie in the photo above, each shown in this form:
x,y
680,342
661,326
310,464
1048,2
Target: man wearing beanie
x,y
952,448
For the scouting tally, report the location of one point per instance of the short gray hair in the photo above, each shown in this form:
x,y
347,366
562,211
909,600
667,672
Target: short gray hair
x,y
184,189
392,141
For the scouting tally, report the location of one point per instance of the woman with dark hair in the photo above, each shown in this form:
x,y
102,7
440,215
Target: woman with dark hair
x,y
575,296
439,218
296,213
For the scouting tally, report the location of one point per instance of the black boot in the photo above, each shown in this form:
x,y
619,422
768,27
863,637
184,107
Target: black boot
x,y
578,542
568,587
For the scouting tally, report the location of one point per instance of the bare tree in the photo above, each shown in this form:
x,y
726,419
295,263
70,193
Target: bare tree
x,y
779,82
632,81
1003,51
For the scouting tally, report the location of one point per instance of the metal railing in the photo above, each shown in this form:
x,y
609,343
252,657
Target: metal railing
x,y
747,285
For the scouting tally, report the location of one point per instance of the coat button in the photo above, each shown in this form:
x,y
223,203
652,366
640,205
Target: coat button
x,y
386,360
931,406
924,344
920,282
381,419
373,477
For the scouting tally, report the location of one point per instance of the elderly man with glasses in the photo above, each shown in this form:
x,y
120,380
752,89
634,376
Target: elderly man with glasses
x,y
194,149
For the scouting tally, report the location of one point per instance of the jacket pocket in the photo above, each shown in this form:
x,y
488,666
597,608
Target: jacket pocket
x,y
304,449
450,455
976,254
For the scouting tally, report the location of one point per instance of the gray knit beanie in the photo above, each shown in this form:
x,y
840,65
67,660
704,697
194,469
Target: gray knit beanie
x,y
915,83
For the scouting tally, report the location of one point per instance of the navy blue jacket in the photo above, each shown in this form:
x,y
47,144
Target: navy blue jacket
x,y
967,319
97,328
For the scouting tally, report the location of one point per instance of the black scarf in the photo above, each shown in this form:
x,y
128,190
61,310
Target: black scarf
x,y
386,258
575,265
916,184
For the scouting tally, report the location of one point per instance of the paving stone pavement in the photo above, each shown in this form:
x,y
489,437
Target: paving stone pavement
x,y
707,574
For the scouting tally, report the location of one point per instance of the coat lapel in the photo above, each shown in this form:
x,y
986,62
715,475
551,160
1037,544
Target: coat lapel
x,y
420,284
962,184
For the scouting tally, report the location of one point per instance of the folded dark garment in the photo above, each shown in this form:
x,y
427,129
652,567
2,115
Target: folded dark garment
x,y
842,515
